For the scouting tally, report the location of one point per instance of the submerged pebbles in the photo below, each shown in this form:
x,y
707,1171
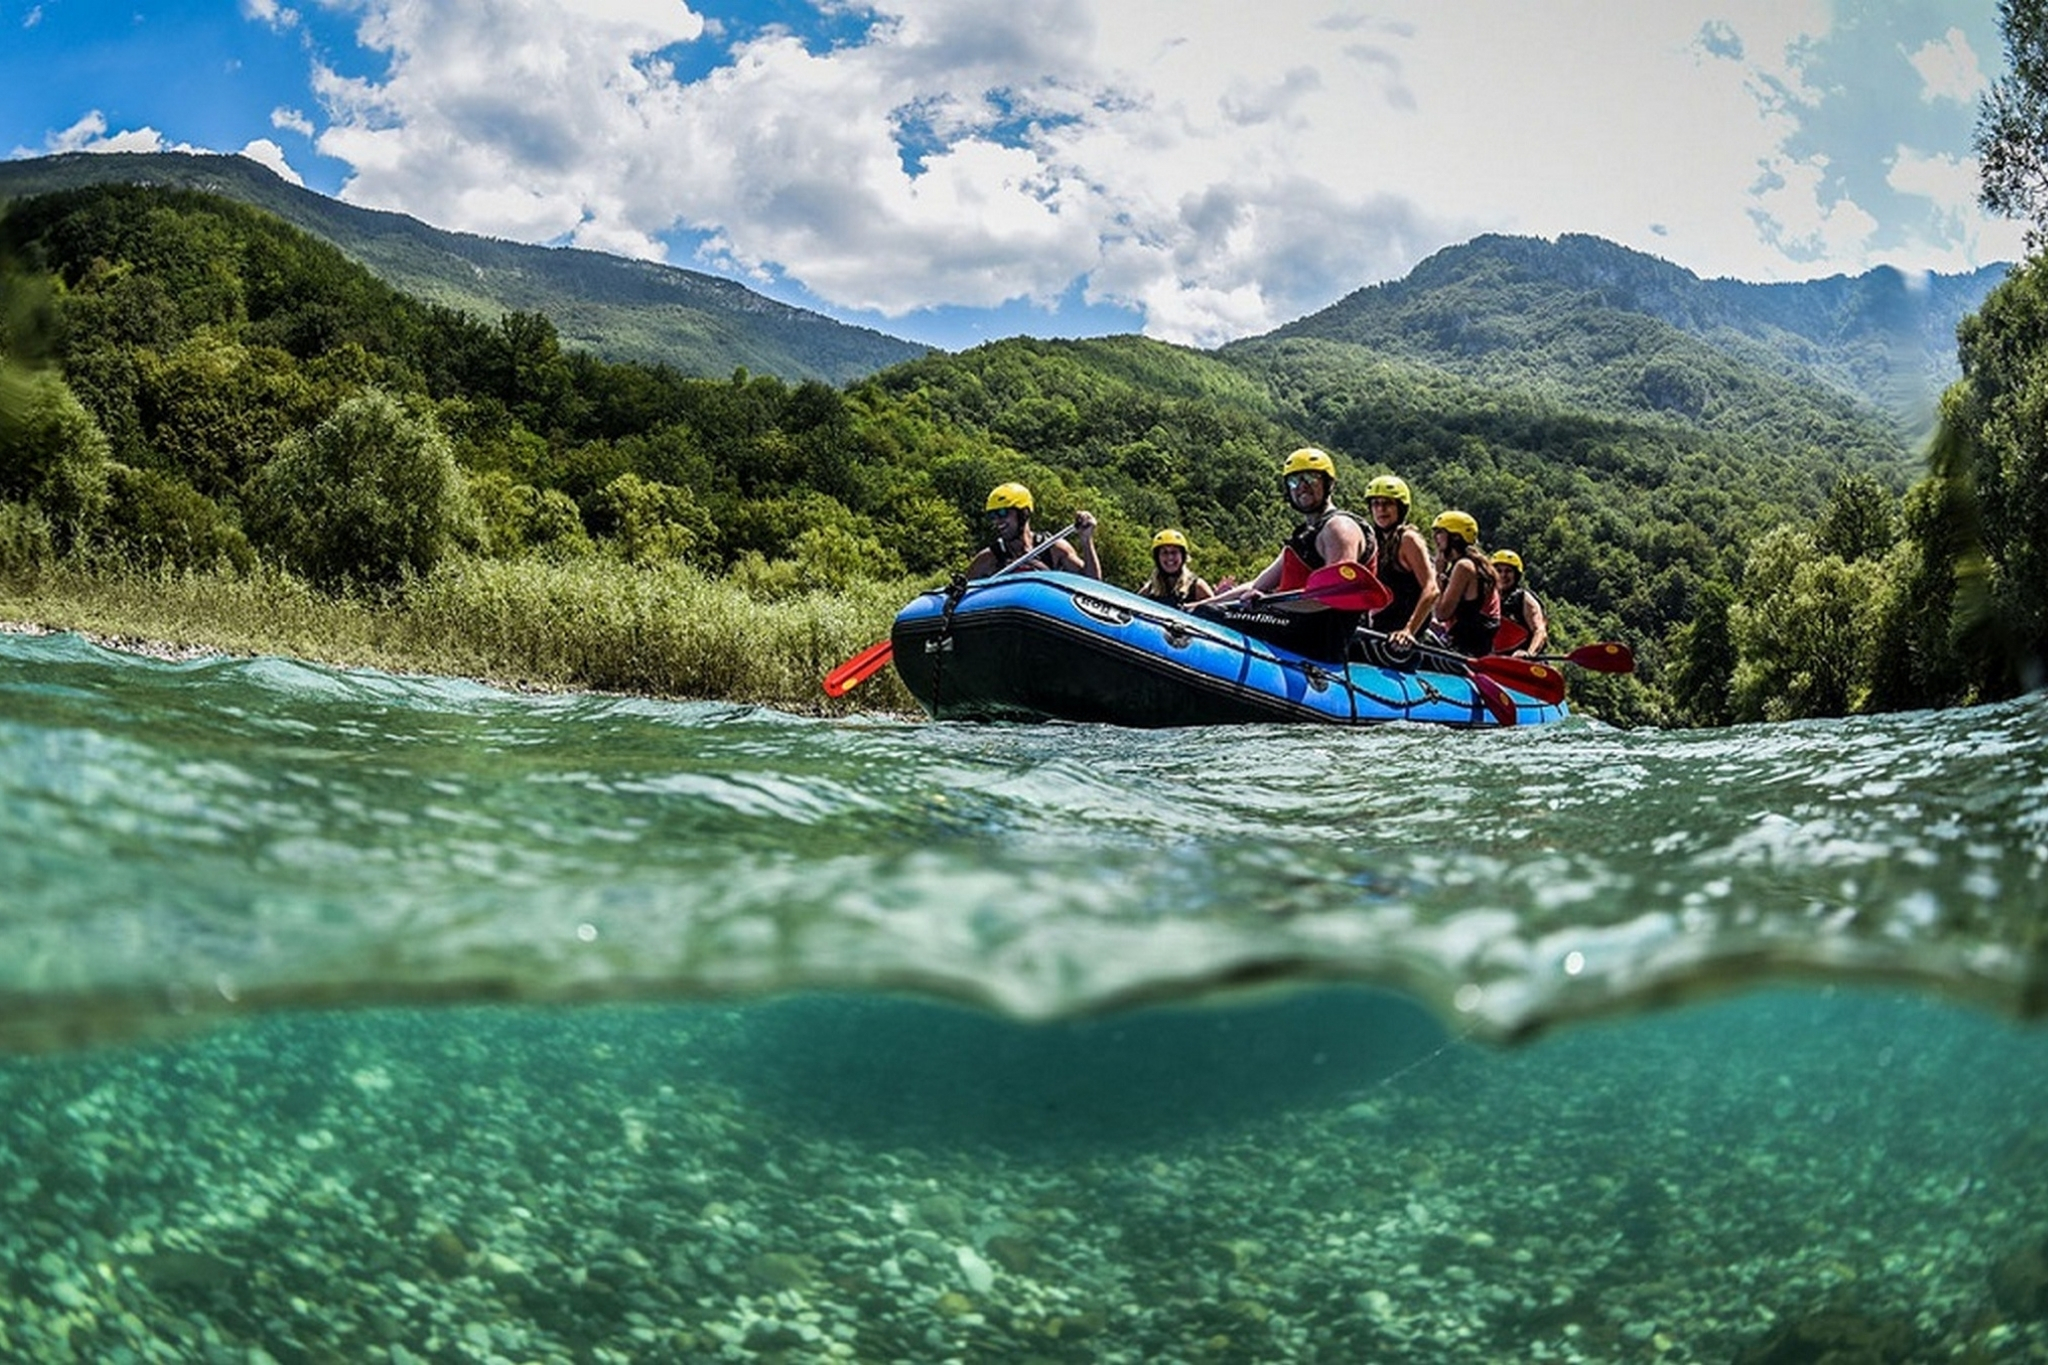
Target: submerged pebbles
x,y
610,1186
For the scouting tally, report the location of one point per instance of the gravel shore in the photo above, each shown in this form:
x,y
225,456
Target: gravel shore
x,y
128,644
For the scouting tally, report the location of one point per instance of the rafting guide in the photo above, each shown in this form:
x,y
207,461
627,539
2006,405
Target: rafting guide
x,y
1327,536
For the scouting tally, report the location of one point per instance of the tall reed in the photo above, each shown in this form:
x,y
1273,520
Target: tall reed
x,y
668,631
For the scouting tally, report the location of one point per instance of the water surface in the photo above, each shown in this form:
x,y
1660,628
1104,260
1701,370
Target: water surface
x,y
441,1023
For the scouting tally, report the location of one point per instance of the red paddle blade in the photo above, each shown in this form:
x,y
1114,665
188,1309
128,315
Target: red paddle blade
x,y
1607,656
865,664
1293,570
1509,636
1497,701
1348,586
1531,679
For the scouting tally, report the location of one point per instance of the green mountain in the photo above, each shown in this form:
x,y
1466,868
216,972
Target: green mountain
x,y
1611,330
618,309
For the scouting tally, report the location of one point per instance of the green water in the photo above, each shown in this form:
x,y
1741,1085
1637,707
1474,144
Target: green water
x,y
895,1041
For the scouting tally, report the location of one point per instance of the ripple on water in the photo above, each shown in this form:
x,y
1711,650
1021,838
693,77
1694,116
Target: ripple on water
x,y
309,833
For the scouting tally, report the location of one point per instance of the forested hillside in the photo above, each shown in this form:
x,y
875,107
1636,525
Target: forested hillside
x,y
196,341
617,309
200,388
1603,327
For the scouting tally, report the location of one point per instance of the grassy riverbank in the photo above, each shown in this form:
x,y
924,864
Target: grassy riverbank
x,y
667,632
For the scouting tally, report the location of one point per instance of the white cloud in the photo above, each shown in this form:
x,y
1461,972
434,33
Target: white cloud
x,y
1221,175
1944,179
90,134
270,12
291,121
1957,237
1795,215
268,154
1949,70
79,135
524,118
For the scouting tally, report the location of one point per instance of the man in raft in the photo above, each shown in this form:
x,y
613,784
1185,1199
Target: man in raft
x,y
1327,535
1008,512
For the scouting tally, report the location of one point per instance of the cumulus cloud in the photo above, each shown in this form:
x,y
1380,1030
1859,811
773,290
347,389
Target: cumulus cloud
x,y
1948,69
525,118
90,134
1944,179
268,154
1218,175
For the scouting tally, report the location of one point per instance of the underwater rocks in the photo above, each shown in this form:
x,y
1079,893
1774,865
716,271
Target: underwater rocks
x,y
1839,1338
2019,1280
598,1189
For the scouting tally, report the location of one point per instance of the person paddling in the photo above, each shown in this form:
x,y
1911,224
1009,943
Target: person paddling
x,y
1403,562
1008,512
1524,629
1327,535
1467,608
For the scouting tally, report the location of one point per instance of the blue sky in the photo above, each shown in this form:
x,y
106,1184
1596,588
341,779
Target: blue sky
x,y
957,170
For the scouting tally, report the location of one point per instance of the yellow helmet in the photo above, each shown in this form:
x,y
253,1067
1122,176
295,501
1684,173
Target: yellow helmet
x,y
1008,495
1387,486
1458,524
1509,558
1167,538
1309,458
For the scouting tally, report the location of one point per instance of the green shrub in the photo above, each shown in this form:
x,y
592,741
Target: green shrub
x,y
53,455
156,519
519,519
653,523
370,496
28,545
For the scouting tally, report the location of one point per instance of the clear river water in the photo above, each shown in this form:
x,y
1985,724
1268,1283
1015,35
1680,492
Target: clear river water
x,y
346,1016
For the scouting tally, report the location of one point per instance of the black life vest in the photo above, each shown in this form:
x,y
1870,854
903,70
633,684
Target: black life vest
x,y
1303,541
1399,578
1475,621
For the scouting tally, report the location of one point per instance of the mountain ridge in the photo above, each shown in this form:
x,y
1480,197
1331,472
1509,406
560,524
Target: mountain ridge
x,y
615,306
1881,338
1579,317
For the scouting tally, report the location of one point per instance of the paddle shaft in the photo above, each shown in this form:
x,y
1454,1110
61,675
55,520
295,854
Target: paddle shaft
x,y
1603,656
1491,671
1038,549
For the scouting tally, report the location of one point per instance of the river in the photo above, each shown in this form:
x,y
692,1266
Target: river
x,y
347,1016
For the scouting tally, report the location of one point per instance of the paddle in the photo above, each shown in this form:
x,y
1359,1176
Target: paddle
x,y
1349,586
1603,656
1527,676
876,656
1490,672
1497,701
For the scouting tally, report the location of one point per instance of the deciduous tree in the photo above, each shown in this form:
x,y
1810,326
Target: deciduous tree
x,y
371,494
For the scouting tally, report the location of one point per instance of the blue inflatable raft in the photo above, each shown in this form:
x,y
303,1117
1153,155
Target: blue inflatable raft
x,y
1058,646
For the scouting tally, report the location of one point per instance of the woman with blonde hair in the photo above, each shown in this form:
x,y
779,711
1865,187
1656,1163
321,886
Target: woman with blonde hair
x,y
1172,581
